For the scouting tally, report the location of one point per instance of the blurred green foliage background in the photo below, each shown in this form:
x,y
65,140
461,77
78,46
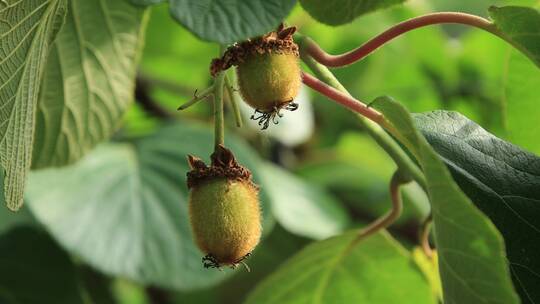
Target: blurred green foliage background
x,y
442,67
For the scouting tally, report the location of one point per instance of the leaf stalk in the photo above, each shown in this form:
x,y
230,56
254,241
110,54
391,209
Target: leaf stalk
x,y
376,131
315,51
397,180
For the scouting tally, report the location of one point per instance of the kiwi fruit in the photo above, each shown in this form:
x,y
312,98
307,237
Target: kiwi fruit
x,y
224,209
268,73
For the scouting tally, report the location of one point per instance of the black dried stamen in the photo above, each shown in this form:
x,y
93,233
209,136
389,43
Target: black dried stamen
x,y
264,118
209,261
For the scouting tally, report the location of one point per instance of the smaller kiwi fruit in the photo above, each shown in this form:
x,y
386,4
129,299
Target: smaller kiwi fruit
x,y
268,72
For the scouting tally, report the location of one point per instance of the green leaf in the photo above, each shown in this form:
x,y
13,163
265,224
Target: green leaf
x,y
502,180
430,268
10,219
521,102
89,79
521,26
338,12
227,21
339,270
27,29
146,2
472,260
511,80
35,270
292,198
123,208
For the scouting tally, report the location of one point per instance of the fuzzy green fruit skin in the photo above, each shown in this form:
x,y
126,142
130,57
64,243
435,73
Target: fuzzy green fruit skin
x,y
225,218
269,80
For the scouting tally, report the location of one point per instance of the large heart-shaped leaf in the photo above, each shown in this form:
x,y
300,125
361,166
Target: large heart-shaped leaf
x,y
341,270
123,208
27,29
521,27
35,270
227,21
502,180
89,79
338,12
472,260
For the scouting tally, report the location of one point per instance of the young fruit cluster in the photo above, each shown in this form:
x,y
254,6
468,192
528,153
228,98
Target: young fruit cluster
x,y
224,209
268,71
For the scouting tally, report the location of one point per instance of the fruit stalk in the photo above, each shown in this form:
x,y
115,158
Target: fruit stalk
x,y
235,100
414,23
219,120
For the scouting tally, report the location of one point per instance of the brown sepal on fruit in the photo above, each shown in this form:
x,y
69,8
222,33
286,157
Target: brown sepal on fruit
x,y
279,41
223,164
